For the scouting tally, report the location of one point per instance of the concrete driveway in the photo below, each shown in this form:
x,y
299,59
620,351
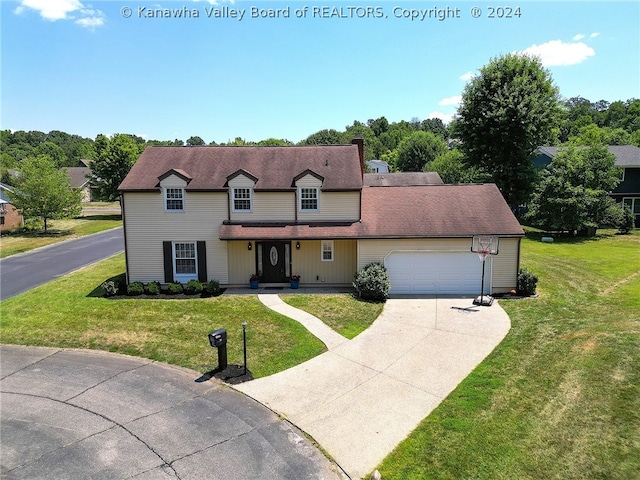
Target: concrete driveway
x,y
364,396
74,414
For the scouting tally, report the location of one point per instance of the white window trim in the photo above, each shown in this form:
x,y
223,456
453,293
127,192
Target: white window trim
x,y
317,190
184,277
233,200
322,250
171,210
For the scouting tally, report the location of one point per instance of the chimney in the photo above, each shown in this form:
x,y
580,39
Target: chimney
x,y
359,141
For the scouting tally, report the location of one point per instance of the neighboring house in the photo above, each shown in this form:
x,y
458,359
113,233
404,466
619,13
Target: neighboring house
x,y
9,215
627,157
226,213
378,166
79,179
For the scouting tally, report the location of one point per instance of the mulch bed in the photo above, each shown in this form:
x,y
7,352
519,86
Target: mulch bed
x,y
168,296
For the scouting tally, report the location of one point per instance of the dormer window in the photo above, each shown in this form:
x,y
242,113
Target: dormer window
x,y
174,199
308,199
241,199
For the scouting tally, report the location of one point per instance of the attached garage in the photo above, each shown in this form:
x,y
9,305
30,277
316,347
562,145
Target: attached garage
x,y
436,272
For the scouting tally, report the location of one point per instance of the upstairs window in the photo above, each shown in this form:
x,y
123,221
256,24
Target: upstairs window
x,y
174,199
309,199
241,199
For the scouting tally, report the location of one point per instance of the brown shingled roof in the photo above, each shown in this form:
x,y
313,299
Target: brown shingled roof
x,y
401,179
405,212
275,167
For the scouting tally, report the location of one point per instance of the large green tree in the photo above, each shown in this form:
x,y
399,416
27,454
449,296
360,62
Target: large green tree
x,y
420,148
42,190
452,169
117,156
573,193
507,111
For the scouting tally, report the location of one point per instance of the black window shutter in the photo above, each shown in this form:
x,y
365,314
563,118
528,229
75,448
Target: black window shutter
x,y
202,261
168,262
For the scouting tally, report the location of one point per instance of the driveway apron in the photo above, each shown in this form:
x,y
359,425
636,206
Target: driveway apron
x,y
362,397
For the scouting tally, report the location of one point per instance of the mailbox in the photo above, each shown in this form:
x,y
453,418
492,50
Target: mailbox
x,y
218,338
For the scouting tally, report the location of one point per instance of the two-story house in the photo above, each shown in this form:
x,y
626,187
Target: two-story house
x,y
226,213
627,158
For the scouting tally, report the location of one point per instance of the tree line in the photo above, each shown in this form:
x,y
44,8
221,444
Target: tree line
x,y
508,110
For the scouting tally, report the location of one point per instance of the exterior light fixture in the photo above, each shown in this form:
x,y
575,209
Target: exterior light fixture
x,y
249,247
297,245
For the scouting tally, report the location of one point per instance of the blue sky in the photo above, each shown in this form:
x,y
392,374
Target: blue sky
x,y
87,67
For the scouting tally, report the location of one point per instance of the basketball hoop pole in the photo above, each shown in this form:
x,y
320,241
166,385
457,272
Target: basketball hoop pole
x,y
484,246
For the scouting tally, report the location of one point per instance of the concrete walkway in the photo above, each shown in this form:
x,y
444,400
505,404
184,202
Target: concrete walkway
x,y
364,396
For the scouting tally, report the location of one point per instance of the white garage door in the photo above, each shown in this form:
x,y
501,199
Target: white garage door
x,y
437,272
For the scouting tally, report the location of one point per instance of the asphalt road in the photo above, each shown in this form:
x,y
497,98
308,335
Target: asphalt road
x,y
23,272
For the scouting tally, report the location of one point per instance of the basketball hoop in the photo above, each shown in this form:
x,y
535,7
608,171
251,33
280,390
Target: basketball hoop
x,y
484,246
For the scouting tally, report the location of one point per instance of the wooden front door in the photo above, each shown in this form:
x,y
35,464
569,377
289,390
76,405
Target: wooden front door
x,y
275,262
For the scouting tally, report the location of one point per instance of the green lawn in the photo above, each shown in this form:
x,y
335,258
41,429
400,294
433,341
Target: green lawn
x,y
344,313
68,313
58,231
560,397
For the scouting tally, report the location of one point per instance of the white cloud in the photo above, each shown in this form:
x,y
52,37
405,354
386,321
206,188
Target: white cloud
x,y
445,117
580,36
54,10
50,9
594,35
557,53
467,76
90,22
455,100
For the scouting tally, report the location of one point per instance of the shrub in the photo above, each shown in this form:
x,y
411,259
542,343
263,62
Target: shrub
x,y
153,288
175,288
627,222
135,288
211,287
527,282
193,287
372,282
110,288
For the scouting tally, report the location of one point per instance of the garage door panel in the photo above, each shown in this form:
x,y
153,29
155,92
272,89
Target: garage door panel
x,y
436,272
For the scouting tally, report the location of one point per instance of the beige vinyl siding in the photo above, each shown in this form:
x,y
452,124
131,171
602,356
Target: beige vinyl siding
x,y
242,262
269,207
504,265
307,263
334,206
148,225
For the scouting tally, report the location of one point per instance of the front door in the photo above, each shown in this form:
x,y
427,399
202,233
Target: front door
x,y
275,262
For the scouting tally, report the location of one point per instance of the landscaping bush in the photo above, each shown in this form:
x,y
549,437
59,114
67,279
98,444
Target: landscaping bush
x,y
211,287
153,288
527,282
110,288
193,287
175,288
627,221
135,288
372,282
